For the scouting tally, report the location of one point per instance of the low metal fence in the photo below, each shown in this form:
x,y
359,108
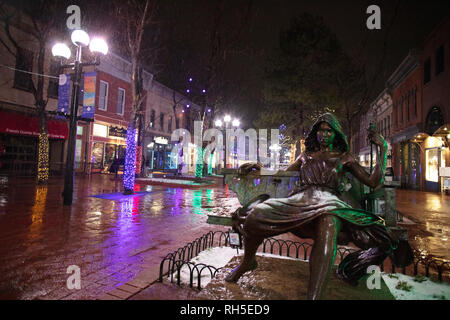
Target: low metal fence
x,y
172,264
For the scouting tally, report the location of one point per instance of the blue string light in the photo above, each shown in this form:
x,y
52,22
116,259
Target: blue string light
x,y
130,160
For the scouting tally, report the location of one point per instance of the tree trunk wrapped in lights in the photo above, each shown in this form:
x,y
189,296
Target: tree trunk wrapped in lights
x,y
210,164
199,165
43,159
129,170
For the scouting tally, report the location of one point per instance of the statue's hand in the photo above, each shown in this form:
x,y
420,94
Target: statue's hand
x,y
376,138
246,168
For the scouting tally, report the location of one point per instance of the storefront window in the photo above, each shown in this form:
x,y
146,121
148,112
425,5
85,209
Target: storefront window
x,y
432,163
78,150
79,130
171,162
122,152
110,153
97,154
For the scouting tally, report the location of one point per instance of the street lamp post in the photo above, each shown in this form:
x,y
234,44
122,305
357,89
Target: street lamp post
x,y
80,39
226,125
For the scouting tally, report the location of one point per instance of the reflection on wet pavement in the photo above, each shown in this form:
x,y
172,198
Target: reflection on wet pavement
x,y
431,213
110,240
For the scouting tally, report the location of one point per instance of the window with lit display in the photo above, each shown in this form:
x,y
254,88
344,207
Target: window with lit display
x,y
432,163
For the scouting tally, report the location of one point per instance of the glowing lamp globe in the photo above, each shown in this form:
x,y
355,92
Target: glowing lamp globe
x,y
236,123
218,123
98,45
61,50
80,38
227,118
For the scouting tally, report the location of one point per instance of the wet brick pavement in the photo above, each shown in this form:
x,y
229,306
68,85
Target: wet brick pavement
x,y
431,213
110,240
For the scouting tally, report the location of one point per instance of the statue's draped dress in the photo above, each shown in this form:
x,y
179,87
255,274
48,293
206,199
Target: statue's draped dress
x,y
320,186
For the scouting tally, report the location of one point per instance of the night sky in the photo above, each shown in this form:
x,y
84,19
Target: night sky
x,y
404,25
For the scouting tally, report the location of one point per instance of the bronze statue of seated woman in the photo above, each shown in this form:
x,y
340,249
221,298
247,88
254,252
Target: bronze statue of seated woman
x,y
314,210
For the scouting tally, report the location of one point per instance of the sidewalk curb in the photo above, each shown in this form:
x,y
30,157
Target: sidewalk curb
x,y
133,287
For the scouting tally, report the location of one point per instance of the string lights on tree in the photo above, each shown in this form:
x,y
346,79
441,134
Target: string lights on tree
x,y
43,160
130,161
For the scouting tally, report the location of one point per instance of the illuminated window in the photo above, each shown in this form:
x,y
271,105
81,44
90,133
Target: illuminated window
x,y
79,130
432,165
152,119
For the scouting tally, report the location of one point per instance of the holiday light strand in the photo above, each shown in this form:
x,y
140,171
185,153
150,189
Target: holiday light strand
x,y
43,159
199,166
130,160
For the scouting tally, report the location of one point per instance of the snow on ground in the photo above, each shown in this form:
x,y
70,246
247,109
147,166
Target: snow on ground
x,y
420,288
405,287
217,257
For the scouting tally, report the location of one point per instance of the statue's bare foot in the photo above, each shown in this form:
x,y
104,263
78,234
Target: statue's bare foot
x,y
239,271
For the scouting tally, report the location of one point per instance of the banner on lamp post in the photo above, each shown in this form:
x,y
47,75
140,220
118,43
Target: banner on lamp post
x,y
63,95
89,95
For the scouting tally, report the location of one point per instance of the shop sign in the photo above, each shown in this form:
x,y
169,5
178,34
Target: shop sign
x,y
161,140
100,130
117,132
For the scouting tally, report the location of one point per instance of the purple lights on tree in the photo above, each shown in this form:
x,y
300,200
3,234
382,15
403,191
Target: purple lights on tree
x,y
190,79
130,161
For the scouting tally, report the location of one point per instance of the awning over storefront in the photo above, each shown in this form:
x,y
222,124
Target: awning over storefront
x,y
405,134
21,124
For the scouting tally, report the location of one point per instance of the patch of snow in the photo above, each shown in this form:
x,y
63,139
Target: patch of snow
x,y
421,289
278,256
216,257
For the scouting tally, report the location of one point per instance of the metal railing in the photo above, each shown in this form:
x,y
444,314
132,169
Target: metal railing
x,y
172,264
